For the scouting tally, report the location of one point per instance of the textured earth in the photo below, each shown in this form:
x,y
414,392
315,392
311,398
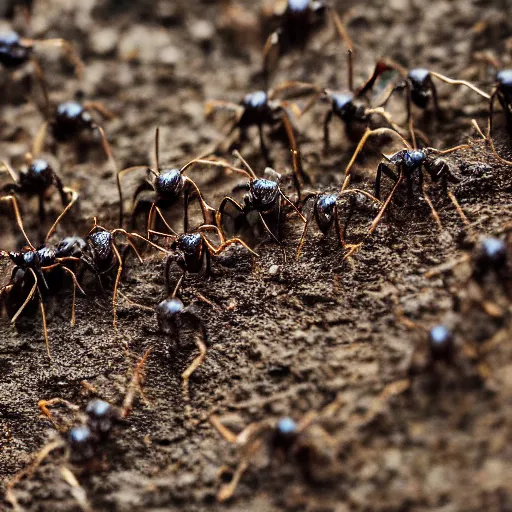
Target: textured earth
x,y
285,337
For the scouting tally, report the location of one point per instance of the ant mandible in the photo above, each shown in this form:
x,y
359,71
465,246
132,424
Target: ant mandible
x,y
264,196
409,164
32,263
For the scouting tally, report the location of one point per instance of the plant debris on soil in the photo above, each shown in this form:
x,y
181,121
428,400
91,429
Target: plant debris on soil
x,y
324,334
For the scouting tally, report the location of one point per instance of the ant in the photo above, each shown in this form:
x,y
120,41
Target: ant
x,y
326,214
35,179
82,439
100,254
264,196
418,83
284,437
193,249
261,108
166,187
409,164
172,317
32,264
15,51
296,22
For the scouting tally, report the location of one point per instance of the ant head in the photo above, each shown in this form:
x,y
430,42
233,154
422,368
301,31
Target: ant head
x,y
285,433
70,246
46,256
264,193
81,442
441,343
324,211
39,172
414,158
167,314
100,416
190,244
418,76
504,81
101,244
71,118
490,254
169,184
255,100
12,52
342,103
298,5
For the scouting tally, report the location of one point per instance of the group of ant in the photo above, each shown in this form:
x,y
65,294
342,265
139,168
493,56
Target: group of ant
x,y
40,270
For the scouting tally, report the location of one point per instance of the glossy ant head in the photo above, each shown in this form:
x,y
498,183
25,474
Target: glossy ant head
x,y
490,255
101,417
167,314
12,52
71,119
189,248
169,184
81,442
504,82
264,194
421,86
101,245
71,246
413,159
441,343
38,175
324,211
257,100
285,433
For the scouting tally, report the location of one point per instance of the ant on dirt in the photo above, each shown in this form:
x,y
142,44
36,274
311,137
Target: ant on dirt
x,y
35,179
326,214
261,108
284,438
33,264
173,317
264,196
83,438
296,21
418,84
15,51
409,164
166,187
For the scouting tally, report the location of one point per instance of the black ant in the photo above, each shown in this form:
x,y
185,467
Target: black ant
x,y
264,196
15,51
192,250
173,316
261,108
84,437
35,179
409,164
296,22
418,83
326,214
166,187
284,437
32,264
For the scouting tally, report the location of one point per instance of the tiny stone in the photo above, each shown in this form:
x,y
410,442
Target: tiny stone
x,y
273,270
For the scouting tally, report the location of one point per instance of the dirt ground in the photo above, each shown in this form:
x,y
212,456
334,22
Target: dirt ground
x,y
285,338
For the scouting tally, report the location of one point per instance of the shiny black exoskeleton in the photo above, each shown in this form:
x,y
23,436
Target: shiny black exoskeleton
x,y
503,91
422,87
285,434
441,343
70,120
35,180
190,253
324,211
490,256
13,53
101,417
410,163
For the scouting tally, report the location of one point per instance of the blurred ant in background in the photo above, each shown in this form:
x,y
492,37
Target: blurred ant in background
x,y
84,438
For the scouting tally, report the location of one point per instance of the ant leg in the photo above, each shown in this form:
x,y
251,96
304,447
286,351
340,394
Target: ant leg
x,y
27,300
383,208
44,404
99,107
341,30
367,134
17,214
211,106
232,241
383,169
38,70
489,127
75,286
43,316
304,232
208,212
196,363
39,458
116,284
38,144
327,122
380,68
77,491
458,207
10,170
435,100
72,201
220,211
271,52
66,47
294,207
135,384
460,82
227,490
340,231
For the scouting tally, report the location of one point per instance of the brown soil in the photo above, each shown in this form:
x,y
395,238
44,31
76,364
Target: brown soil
x,y
321,334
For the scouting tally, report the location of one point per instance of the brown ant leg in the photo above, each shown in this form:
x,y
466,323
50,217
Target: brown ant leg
x,y
72,201
362,142
379,216
135,384
38,143
15,207
77,491
196,363
459,209
44,407
38,70
382,168
305,230
460,82
208,211
116,283
10,170
63,45
220,211
293,206
27,300
75,286
99,107
227,490
341,30
271,52
232,241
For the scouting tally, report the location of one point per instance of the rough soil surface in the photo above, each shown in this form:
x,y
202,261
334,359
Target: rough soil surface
x,y
320,334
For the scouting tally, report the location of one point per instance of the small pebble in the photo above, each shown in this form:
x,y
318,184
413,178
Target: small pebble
x,y
273,270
